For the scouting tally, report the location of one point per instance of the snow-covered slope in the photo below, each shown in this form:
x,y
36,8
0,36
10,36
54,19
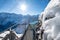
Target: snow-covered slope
x,y
51,20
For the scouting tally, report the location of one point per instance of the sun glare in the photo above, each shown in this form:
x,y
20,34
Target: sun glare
x,y
23,7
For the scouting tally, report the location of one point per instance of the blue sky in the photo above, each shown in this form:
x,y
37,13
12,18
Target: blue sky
x,y
34,7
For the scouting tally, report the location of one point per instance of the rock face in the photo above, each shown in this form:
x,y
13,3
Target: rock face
x,y
51,20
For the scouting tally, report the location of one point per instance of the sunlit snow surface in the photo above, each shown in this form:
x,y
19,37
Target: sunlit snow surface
x,y
51,20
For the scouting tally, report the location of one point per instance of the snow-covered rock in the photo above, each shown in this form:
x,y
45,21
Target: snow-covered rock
x,y
4,34
7,32
50,18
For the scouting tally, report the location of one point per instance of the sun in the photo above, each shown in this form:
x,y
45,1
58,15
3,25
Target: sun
x,y
23,7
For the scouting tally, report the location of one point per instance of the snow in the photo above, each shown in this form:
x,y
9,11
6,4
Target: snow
x,y
4,34
58,37
51,20
7,32
19,35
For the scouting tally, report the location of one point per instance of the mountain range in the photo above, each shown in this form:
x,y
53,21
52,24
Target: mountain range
x,y
9,19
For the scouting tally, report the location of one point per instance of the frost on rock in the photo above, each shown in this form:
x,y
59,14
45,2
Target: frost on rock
x,y
51,20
